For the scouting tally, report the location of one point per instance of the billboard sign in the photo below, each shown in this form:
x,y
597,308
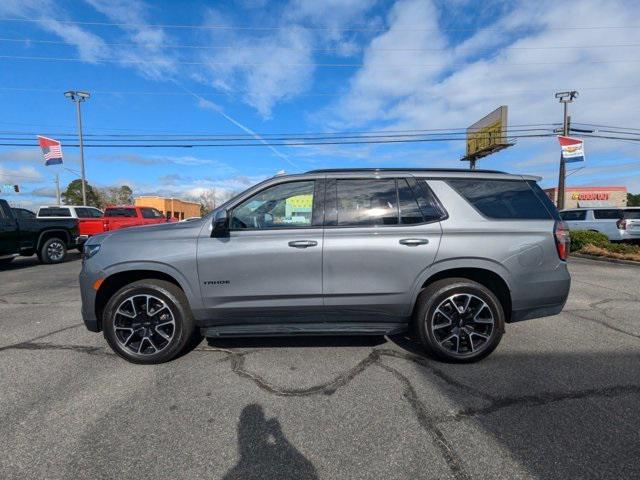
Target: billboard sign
x,y
488,134
572,149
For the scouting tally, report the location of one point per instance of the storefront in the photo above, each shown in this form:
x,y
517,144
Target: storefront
x,y
176,208
590,196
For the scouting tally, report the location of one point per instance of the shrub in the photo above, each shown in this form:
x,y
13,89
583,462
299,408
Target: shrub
x,y
580,238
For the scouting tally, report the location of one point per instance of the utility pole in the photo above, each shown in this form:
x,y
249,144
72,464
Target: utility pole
x,y
58,188
565,98
78,97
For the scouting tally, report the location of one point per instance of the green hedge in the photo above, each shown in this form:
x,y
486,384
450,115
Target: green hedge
x,y
580,238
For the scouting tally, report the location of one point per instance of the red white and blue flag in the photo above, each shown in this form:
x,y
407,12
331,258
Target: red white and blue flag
x,y
572,149
51,150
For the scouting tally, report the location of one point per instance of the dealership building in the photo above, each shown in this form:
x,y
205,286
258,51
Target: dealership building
x,y
575,197
175,207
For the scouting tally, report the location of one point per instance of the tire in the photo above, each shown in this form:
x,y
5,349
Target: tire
x,y
167,303
438,320
53,250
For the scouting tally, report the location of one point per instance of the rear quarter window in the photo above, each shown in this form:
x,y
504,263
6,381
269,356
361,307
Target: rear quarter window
x,y
505,199
631,214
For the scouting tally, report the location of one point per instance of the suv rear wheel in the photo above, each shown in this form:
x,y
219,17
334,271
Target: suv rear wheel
x,y
459,320
149,322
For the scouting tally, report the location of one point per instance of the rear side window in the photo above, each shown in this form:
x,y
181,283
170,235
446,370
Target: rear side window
x,y
54,212
409,209
120,212
367,202
502,199
83,212
148,212
607,214
573,215
631,214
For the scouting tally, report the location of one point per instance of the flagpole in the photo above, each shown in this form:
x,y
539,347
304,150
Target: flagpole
x,y
58,188
77,97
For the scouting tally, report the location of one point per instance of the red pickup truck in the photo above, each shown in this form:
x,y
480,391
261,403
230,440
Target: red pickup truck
x,y
119,217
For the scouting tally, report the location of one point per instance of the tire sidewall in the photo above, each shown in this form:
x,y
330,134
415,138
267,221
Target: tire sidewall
x,y
174,301
44,256
432,297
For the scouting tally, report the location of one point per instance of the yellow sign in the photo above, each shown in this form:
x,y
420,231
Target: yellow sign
x,y
488,132
300,202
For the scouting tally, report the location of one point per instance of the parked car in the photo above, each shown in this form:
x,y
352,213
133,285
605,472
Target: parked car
x,y
619,224
451,255
23,235
89,218
116,218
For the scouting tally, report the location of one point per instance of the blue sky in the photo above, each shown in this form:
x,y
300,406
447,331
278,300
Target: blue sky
x,y
270,67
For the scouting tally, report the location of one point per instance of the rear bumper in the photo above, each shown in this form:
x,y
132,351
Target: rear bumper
x,y
541,295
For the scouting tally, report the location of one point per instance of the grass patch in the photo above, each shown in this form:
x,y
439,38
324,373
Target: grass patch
x,y
594,243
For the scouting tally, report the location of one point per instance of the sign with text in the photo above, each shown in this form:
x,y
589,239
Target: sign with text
x,y
488,133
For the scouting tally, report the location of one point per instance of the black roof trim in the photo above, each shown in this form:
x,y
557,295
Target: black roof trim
x,y
445,170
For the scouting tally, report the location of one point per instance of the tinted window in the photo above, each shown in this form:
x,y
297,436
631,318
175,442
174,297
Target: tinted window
x,y
120,212
24,213
409,208
502,199
84,212
150,213
431,209
607,214
367,202
54,212
573,215
280,206
631,214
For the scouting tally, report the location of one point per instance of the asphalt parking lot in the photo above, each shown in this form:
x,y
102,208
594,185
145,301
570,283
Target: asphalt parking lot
x,y
558,399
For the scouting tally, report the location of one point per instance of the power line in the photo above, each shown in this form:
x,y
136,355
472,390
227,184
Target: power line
x,y
280,144
605,126
317,28
301,64
234,47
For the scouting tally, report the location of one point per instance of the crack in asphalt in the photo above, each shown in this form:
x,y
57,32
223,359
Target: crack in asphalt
x,y
40,337
599,322
451,457
55,346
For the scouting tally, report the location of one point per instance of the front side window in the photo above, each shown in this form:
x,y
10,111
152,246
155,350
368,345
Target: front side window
x,y
607,214
502,199
573,215
288,205
367,202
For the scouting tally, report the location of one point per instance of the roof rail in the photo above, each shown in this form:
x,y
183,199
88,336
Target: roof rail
x,y
338,170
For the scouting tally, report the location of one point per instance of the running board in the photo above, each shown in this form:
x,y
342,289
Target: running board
x,y
277,330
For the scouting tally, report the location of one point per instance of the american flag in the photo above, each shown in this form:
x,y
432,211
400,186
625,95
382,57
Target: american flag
x,y
51,150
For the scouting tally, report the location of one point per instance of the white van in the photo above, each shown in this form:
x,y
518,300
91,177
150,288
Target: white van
x,y
616,223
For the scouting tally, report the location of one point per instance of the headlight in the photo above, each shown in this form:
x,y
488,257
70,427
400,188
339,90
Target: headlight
x,y
91,250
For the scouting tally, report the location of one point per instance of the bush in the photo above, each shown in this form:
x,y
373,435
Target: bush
x,y
580,238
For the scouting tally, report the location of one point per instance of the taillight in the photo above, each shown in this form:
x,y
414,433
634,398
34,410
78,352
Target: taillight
x,y
561,235
621,224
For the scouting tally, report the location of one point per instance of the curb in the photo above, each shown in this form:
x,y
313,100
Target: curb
x,y
605,259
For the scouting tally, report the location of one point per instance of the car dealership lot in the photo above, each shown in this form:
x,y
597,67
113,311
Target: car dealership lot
x,y
558,399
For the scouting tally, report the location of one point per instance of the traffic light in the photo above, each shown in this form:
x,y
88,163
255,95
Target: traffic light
x,y
16,188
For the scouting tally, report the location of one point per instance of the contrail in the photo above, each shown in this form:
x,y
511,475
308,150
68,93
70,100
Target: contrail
x,y
204,103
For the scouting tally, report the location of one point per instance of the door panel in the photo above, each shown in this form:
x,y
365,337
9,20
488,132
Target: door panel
x,y
376,244
269,268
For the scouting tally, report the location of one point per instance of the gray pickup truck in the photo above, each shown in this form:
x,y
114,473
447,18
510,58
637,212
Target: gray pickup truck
x,y
23,236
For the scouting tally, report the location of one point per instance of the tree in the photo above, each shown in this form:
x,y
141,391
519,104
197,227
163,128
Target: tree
x,y
633,200
122,195
73,194
211,198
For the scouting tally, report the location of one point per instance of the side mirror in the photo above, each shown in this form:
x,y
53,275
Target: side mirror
x,y
220,224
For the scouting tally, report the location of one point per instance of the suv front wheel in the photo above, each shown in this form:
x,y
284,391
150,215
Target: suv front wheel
x,y
459,320
149,322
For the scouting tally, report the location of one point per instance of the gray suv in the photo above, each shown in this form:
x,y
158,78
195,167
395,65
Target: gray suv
x,y
449,255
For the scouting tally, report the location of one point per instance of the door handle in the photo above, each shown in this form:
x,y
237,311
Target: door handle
x,y
303,243
414,242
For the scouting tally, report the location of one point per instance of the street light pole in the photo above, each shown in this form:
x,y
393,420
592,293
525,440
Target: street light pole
x,y
77,97
565,98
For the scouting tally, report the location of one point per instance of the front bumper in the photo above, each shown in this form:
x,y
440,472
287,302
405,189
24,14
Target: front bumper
x,y
88,297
